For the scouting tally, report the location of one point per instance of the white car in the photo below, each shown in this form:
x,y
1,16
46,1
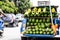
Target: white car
x,y
19,17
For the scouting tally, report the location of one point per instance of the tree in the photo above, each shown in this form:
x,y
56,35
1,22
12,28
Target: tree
x,y
23,4
8,7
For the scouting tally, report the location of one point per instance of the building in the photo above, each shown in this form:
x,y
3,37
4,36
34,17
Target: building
x,y
39,2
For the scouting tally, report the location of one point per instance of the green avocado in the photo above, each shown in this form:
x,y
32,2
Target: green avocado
x,y
33,20
38,23
34,32
30,32
34,23
40,20
43,20
28,23
48,33
42,25
30,20
36,20
44,32
52,32
31,23
37,32
41,32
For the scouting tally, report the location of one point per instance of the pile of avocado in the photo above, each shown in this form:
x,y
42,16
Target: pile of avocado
x,y
39,30
40,12
39,21
39,26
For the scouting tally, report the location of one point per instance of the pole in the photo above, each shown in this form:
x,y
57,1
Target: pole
x,y
50,12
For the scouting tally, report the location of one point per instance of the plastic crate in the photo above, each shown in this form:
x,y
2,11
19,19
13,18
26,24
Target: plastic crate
x,y
34,35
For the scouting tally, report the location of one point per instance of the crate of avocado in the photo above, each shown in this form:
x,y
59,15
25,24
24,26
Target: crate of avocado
x,y
42,11
39,21
39,27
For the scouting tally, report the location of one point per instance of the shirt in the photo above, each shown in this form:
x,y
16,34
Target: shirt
x,y
8,18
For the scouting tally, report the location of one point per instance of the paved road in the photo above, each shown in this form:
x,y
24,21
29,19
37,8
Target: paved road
x,y
11,33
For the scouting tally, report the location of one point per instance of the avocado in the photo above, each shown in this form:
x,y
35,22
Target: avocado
x,y
53,10
44,32
34,32
38,23
34,23
40,29
30,32
39,9
46,24
26,32
28,23
31,23
29,29
48,33
44,9
48,20
40,20
33,20
37,32
34,15
43,20
31,15
41,32
42,25
30,20
50,29
36,20
52,32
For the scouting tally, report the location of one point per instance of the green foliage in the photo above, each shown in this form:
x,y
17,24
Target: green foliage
x,y
8,7
2,0
23,5
1,3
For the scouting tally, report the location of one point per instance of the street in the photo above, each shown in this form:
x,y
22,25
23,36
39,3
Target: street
x,y
11,33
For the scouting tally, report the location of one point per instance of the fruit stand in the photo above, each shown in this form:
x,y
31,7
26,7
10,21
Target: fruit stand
x,y
39,21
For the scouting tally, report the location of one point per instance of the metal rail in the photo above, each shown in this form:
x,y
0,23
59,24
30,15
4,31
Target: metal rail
x,y
50,12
